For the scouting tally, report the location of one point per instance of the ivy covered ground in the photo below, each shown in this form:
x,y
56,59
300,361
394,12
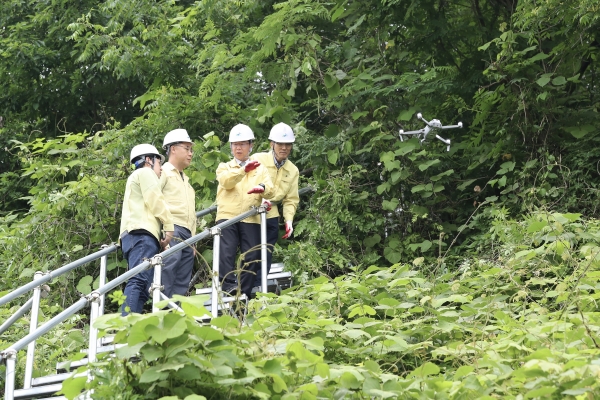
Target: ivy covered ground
x,y
520,321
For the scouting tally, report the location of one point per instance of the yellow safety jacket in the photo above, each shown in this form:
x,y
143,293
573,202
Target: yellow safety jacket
x,y
285,180
232,192
180,196
144,205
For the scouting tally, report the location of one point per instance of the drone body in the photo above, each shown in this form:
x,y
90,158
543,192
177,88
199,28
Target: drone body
x,y
432,125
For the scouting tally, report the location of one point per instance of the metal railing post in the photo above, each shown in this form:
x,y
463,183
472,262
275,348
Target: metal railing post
x,y
102,277
214,306
156,286
94,314
35,310
9,384
263,247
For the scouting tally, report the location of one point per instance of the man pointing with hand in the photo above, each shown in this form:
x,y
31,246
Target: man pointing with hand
x,y
242,184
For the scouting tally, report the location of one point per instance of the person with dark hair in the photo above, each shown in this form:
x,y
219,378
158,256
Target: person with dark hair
x,y
181,200
144,213
242,184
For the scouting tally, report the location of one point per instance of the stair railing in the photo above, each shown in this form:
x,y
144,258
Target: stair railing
x,y
96,298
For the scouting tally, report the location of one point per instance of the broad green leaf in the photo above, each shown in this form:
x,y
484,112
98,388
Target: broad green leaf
x,y
85,284
332,156
272,367
406,115
536,226
334,90
348,380
225,322
73,386
126,352
580,131
390,205
426,245
331,131
539,56
463,371
392,255
329,81
426,369
543,81
153,374
425,165
372,240
384,187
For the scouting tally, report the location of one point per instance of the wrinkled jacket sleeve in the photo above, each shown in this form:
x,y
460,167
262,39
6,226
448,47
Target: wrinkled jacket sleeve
x,y
291,200
154,199
228,176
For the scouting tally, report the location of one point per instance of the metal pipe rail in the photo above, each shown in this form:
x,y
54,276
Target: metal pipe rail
x,y
84,301
56,273
18,314
212,209
96,297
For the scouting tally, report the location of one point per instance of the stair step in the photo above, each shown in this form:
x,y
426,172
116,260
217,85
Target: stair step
x,y
108,339
49,379
104,349
35,392
54,398
280,275
275,268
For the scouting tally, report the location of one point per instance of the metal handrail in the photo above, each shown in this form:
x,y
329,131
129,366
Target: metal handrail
x,y
206,211
122,278
18,314
9,355
56,273
91,257
212,209
84,301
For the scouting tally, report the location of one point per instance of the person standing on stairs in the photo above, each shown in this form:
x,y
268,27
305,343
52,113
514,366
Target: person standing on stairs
x,y
143,215
242,184
181,200
284,175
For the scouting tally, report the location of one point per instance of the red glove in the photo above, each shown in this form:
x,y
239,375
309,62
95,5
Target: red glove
x,y
257,189
288,230
267,203
251,165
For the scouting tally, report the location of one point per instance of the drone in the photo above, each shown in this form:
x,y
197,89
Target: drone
x,y
432,125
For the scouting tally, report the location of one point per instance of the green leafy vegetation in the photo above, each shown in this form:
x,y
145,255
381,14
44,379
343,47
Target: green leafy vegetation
x,y
524,322
500,232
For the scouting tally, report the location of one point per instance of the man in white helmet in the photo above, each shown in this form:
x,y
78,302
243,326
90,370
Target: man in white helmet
x,y
284,175
242,184
144,213
181,200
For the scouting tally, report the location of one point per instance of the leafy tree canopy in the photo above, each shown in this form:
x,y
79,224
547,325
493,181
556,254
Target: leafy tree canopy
x,y
82,82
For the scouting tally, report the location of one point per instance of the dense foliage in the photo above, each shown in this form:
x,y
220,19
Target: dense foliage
x,y
81,82
522,323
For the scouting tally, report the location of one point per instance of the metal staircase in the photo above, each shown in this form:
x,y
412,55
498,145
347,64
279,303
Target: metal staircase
x,y
46,387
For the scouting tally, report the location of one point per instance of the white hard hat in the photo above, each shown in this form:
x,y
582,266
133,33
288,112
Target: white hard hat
x,y
143,150
176,136
240,132
282,133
